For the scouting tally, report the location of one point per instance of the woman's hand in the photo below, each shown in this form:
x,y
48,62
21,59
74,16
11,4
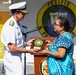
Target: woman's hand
x,y
48,42
43,52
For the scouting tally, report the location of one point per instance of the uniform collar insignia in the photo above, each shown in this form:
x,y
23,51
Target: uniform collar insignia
x,y
11,23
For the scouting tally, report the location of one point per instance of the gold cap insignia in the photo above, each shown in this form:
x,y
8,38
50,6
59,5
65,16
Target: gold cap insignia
x,y
11,23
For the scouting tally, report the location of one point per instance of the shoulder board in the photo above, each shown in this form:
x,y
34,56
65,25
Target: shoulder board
x,y
11,23
24,26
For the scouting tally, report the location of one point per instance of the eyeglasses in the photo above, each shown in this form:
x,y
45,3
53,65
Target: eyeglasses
x,y
56,24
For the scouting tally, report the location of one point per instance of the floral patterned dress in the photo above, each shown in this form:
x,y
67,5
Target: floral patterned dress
x,y
62,66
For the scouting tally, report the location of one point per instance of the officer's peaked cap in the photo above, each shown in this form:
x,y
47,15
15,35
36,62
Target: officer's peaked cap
x,y
21,6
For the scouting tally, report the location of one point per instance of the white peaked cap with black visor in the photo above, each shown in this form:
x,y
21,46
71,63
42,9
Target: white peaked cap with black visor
x,y
21,6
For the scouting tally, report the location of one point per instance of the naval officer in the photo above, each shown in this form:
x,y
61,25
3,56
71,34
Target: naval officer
x,y
11,37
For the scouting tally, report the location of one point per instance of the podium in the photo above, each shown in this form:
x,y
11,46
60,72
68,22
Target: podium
x,y
40,64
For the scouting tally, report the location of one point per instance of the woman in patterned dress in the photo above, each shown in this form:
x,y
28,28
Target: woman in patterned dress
x,y
60,54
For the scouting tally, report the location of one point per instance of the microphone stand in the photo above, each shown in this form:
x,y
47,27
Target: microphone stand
x,y
35,29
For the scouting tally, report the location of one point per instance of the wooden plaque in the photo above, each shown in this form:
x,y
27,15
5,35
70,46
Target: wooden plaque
x,y
40,43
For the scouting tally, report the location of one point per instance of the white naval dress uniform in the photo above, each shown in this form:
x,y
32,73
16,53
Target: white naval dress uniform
x,y
25,38
11,33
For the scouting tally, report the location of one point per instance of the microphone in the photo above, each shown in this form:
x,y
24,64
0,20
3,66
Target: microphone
x,y
35,29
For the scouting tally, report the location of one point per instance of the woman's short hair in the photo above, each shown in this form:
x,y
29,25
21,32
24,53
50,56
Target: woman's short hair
x,y
64,22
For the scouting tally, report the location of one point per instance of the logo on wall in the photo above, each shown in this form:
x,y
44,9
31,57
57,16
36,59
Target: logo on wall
x,y
50,11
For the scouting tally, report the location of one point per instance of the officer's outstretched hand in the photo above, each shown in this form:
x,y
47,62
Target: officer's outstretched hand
x,y
32,51
30,41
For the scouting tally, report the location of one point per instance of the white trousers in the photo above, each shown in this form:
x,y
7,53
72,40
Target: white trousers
x,y
13,65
